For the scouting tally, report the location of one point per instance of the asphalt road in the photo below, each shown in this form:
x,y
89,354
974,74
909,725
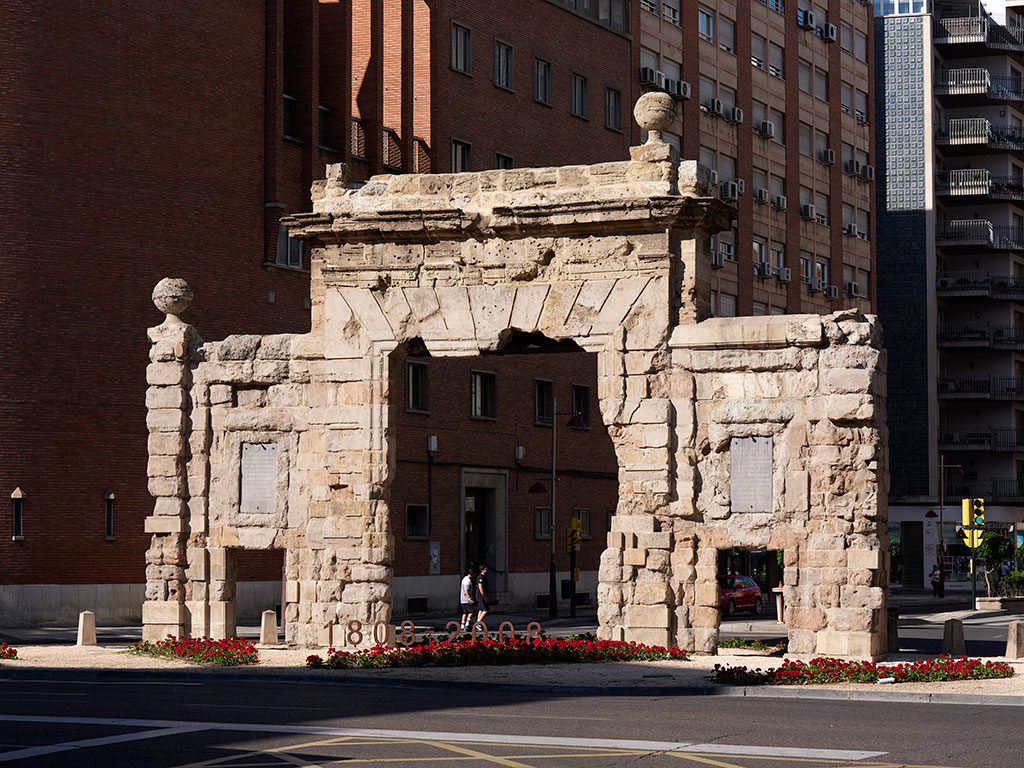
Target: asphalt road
x,y
237,723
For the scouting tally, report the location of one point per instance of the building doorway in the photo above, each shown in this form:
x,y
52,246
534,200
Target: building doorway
x,y
485,526
739,571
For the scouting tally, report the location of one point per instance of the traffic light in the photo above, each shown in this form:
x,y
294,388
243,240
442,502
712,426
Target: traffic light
x,y
573,534
965,512
978,512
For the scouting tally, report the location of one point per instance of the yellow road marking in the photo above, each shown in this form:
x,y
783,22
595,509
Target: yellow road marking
x,y
480,755
703,760
319,743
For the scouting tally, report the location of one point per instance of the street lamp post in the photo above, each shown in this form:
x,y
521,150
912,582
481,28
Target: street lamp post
x,y
943,466
552,575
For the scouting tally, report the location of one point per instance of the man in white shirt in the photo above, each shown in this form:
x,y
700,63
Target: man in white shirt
x,y
467,597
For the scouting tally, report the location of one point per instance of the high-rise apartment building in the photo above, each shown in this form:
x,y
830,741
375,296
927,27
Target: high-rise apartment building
x,y
781,109
950,93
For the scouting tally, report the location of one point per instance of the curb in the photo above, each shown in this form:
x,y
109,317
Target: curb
x,y
753,692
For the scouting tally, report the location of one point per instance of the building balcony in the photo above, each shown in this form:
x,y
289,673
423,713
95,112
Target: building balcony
x,y
981,439
975,86
980,387
979,284
977,185
975,135
995,490
980,335
975,36
972,234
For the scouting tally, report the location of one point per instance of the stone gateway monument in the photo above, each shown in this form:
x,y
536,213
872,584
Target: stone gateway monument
x,y
750,432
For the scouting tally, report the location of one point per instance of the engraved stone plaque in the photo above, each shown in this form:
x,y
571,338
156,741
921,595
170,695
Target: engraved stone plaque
x,y
751,474
259,478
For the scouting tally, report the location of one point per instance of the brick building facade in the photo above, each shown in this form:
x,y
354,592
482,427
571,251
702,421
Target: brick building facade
x,y
185,134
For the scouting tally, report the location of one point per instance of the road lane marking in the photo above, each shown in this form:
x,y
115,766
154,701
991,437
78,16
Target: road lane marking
x,y
474,753
704,760
49,749
470,738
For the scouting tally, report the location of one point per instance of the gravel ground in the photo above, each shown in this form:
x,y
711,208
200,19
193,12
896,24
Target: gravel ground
x,y
694,672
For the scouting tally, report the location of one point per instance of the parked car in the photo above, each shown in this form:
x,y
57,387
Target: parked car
x,y
739,593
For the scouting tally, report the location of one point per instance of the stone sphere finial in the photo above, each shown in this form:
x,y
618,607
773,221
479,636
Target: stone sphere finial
x,y
655,112
172,296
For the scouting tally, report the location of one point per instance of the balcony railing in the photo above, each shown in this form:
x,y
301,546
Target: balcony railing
x,y
981,439
980,233
995,490
980,334
980,387
977,29
967,182
976,81
978,130
980,283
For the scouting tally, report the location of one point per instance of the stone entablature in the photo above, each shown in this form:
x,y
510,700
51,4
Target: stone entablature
x,y
286,441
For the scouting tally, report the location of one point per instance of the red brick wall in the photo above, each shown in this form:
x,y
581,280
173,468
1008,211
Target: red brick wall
x,y
474,109
586,459
131,148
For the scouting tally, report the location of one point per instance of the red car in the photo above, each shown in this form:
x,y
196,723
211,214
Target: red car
x,y
739,593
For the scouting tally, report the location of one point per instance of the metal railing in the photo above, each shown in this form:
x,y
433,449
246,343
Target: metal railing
x,y
980,387
980,334
392,155
977,81
979,181
982,438
992,489
980,233
358,139
977,29
980,283
775,5
978,130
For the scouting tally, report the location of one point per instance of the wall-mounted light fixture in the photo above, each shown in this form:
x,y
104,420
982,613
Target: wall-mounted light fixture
x,y
18,514
108,515
520,453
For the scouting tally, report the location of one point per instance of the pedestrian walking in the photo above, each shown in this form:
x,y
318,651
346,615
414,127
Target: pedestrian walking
x,y
467,597
936,579
483,602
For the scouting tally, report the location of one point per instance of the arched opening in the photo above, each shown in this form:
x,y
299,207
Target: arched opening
x,y
473,473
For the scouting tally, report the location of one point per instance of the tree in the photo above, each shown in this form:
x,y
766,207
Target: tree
x,y
994,548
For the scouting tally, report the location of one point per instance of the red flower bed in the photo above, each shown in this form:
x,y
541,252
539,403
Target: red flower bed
x,y
229,652
7,652
827,670
465,653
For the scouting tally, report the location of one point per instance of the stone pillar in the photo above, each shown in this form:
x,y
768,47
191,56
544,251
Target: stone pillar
x,y
222,592
86,628
169,378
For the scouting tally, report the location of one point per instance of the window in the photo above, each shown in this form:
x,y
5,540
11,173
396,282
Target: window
x,y
323,134
17,510
760,251
860,46
806,268
648,59
462,58
806,140
461,161
846,37
758,51
289,250
416,387
417,520
758,114
503,65
820,143
613,109
821,271
804,76
583,515
581,403
820,84
708,89
670,11
728,97
777,186
821,207
542,522
706,24
760,179
776,61
845,96
578,95
108,514
542,81
778,118
860,104
543,402
726,34
671,69
727,305
484,395
760,308
288,123
861,219
502,162
778,256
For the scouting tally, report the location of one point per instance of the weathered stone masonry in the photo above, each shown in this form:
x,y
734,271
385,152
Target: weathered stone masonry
x,y
284,441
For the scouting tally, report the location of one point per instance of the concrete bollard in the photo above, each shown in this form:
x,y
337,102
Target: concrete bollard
x,y
268,628
86,628
953,638
1015,640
